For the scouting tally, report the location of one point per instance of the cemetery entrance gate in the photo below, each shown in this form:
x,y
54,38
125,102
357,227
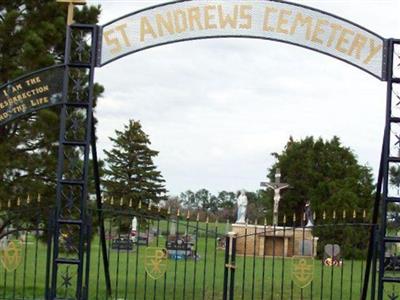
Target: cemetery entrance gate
x,y
71,87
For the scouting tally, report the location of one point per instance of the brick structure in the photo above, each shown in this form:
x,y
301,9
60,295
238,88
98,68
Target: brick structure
x,y
262,240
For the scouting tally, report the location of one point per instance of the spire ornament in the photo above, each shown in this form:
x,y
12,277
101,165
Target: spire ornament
x,y
71,6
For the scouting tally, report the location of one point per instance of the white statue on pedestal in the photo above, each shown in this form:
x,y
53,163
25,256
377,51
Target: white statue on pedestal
x,y
241,207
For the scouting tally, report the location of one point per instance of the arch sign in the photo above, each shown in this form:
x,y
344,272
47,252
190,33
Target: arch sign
x,y
30,93
198,19
280,21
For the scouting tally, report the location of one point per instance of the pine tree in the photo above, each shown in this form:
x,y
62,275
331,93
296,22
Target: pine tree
x,y
32,36
130,171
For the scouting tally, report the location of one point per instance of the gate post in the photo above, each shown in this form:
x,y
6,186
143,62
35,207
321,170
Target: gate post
x,y
390,159
374,241
70,236
233,267
226,269
229,266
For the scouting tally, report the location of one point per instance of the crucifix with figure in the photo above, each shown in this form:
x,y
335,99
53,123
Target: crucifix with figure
x,y
277,186
71,6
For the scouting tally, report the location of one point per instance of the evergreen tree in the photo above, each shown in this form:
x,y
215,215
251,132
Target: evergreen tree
x,y
328,175
32,36
130,171
394,178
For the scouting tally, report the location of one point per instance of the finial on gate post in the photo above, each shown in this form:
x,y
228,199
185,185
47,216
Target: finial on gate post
x,y
71,6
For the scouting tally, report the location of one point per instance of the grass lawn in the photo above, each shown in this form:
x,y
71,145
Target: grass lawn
x,y
202,279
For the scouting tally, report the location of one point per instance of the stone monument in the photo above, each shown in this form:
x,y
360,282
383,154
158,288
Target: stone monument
x,y
273,240
241,207
277,186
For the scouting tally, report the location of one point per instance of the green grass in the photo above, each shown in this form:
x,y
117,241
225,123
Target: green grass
x,y
127,269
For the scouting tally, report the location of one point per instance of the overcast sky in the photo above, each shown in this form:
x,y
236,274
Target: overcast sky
x,y
216,109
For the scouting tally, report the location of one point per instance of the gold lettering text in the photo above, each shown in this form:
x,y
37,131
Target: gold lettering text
x,y
358,44
226,19
301,20
114,41
335,28
165,24
268,12
180,21
374,50
245,15
343,40
209,16
32,81
122,30
282,21
318,31
146,28
194,18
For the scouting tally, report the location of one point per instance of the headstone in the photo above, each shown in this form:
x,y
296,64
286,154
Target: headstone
x,y
332,255
306,248
122,243
142,240
332,250
180,247
172,228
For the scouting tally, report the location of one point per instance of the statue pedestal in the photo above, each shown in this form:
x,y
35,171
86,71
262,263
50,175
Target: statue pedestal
x,y
284,241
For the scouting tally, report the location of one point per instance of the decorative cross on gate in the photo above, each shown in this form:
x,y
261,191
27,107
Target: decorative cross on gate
x,y
71,5
277,186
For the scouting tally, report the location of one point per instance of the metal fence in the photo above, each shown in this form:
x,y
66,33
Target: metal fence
x,y
204,260
24,254
189,266
185,256
282,262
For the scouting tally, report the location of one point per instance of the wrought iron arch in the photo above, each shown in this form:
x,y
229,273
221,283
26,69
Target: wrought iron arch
x,y
81,61
254,33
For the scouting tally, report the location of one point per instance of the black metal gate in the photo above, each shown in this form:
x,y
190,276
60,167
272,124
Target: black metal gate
x,y
323,261
78,95
168,256
25,243
200,257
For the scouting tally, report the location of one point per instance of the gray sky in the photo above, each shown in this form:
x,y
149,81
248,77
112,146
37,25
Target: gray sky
x,y
216,109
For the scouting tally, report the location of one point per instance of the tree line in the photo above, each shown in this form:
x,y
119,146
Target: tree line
x,y
223,204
